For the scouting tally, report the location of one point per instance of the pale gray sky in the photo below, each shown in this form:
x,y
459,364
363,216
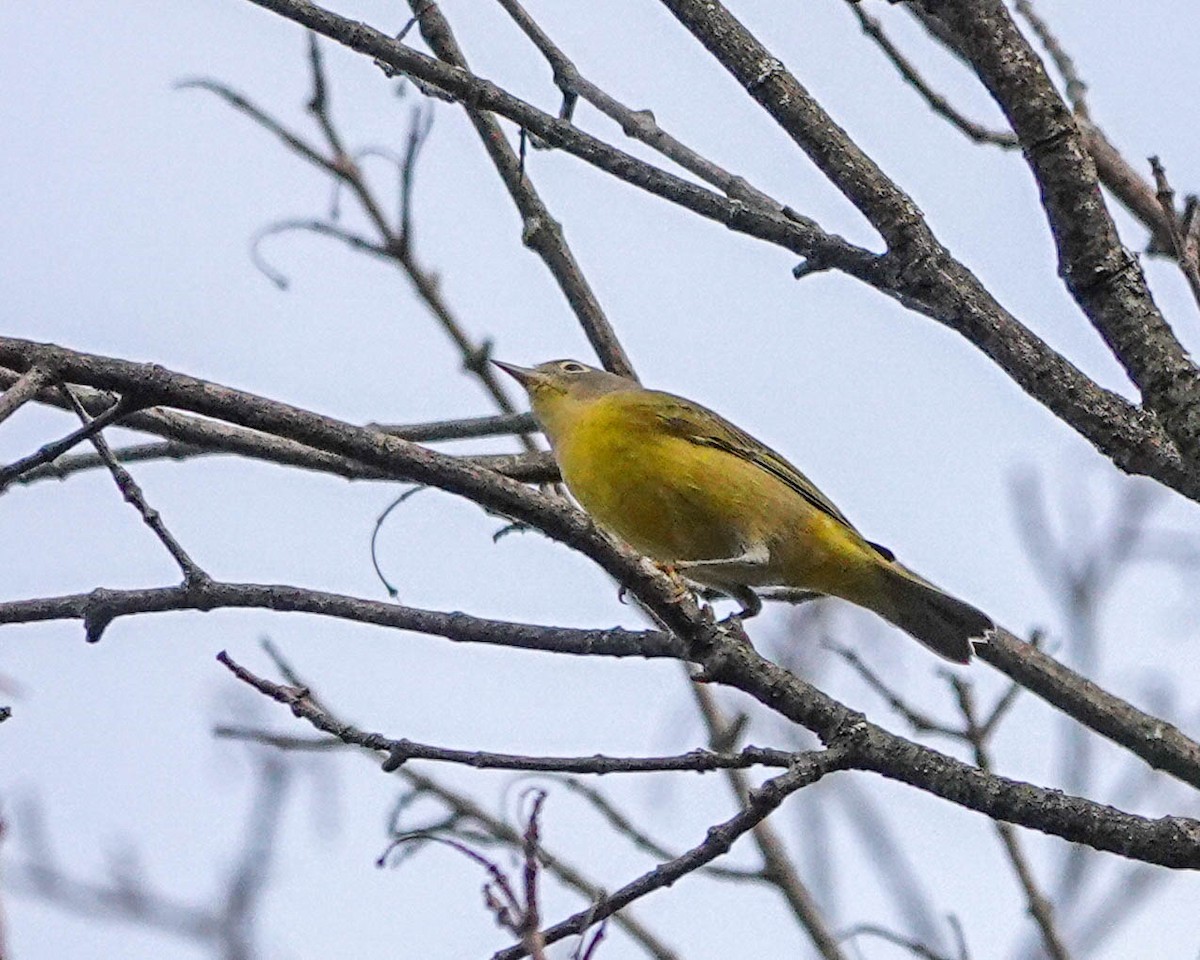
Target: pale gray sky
x,y
128,207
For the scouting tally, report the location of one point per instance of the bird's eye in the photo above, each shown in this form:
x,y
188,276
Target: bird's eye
x,y
570,366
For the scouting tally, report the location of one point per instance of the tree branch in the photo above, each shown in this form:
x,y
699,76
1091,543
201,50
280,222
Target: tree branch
x,y
404,460
638,124
22,390
540,231
936,102
1157,742
401,751
132,494
1103,277
1169,841
932,283
101,607
718,839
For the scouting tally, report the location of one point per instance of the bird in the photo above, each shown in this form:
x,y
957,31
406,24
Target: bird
x,y
700,496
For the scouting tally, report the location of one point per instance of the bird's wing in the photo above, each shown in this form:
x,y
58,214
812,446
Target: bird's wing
x,y
696,424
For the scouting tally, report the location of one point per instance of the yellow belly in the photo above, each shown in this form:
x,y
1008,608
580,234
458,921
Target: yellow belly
x,y
675,500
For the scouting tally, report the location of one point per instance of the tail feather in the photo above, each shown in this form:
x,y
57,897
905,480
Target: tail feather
x,y
943,623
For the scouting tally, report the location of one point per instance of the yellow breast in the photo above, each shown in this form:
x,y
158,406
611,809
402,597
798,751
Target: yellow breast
x,y
673,499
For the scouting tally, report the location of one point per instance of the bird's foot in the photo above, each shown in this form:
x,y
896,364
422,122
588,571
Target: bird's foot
x,y
681,589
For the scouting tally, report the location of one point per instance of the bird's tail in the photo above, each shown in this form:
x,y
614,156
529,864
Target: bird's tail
x,y
943,623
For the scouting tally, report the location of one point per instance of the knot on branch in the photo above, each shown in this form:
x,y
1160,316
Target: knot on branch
x,y
538,230
476,361
197,586
767,68
850,732
1052,141
99,610
1116,266
399,753
640,123
717,647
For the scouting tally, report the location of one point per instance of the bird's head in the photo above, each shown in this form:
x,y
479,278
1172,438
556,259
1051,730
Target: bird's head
x,y
559,388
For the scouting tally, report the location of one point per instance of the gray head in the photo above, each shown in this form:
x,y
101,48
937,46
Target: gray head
x,y
560,391
576,380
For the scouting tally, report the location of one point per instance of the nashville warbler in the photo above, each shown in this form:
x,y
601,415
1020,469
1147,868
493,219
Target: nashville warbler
x,y
690,490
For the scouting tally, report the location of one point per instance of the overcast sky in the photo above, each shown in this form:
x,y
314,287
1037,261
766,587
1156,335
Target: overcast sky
x,y
127,214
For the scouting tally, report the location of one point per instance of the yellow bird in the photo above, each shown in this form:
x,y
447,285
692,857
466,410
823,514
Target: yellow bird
x,y
690,490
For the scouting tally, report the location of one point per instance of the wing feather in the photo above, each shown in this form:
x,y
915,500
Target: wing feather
x,y
696,424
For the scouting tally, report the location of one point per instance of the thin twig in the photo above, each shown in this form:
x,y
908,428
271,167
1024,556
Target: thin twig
x,y
778,867
196,437
1186,257
919,721
625,826
761,802
1076,88
306,224
638,124
465,428
64,467
464,811
24,390
541,232
936,102
346,171
401,751
1038,904
915,947
132,493
47,454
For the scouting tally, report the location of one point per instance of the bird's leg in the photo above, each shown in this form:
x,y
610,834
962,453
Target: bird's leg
x,y
751,603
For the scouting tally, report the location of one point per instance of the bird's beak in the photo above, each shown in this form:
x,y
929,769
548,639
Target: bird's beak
x,y
525,376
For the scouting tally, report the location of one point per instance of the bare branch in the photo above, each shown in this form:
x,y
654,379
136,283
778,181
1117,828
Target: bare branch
x,y
540,232
133,495
761,803
463,811
1039,905
401,751
639,124
1187,258
1165,841
936,102
397,247
1104,278
931,282
917,719
121,408
23,390
1155,741
158,386
778,867
626,827
915,947
196,437
101,607
467,428
1076,88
